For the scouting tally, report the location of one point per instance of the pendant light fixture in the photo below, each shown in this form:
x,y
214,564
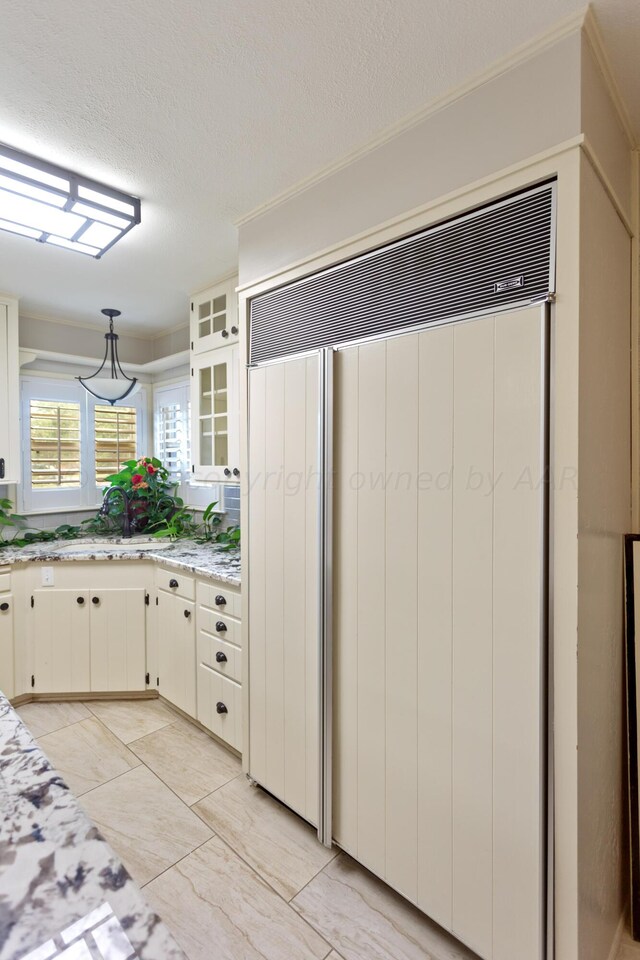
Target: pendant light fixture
x,y
110,387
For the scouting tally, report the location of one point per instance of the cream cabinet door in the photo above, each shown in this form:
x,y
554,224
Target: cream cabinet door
x,y
283,634
215,418
176,651
214,317
7,681
61,641
117,628
439,625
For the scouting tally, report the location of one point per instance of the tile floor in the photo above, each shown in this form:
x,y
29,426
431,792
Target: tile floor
x,y
234,874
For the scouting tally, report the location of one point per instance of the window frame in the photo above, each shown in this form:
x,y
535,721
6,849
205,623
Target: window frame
x,y
197,495
68,390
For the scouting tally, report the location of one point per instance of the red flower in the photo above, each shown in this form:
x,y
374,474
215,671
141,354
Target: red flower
x,y
136,478
151,469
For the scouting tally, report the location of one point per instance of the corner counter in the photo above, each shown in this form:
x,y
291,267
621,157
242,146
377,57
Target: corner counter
x,y
61,885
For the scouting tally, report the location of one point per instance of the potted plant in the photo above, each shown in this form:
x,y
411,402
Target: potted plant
x,y
150,491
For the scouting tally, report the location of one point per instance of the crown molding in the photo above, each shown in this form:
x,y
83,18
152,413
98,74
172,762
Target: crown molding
x,y
593,34
229,275
564,28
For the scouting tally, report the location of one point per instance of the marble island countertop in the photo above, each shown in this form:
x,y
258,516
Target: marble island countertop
x,y
203,559
63,892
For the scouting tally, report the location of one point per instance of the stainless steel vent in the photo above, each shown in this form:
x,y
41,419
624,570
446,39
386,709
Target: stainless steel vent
x,y
487,260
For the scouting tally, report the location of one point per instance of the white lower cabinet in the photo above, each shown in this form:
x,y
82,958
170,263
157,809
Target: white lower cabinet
x,y
176,643
61,641
89,640
117,630
7,680
96,629
84,633
219,662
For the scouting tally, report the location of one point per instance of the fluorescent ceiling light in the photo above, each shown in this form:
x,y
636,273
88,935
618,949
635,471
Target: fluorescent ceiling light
x,y
73,245
55,206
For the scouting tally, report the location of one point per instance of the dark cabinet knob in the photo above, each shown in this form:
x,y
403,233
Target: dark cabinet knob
x,y
224,333
234,330
221,626
4,606
220,601
187,613
80,601
227,472
95,600
220,707
221,657
236,472
173,584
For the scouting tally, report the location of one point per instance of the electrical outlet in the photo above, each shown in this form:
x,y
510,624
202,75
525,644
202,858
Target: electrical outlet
x,y
47,576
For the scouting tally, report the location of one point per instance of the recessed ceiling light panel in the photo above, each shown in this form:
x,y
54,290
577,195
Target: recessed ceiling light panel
x,y
52,205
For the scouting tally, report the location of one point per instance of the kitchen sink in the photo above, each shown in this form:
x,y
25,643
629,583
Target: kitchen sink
x,y
110,546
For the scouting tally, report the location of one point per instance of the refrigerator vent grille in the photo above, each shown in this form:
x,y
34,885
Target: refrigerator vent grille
x,y
486,260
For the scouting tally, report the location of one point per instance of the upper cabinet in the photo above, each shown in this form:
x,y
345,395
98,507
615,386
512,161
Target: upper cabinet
x,y
9,392
215,407
214,317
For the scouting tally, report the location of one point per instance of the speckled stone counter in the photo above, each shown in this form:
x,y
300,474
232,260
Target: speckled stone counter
x,y
203,559
63,892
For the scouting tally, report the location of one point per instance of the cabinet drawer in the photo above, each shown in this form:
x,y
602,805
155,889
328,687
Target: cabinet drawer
x,y
216,693
5,578
223,657
218,596
173,581
220,625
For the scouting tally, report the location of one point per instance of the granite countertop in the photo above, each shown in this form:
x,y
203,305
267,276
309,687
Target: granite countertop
x,y
203,559
62,889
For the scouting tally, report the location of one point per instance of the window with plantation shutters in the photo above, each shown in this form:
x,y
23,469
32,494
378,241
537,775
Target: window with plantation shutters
x,y
172,444
71,443
55,445
116,438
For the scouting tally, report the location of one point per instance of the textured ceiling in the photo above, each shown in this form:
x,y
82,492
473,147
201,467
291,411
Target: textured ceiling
x,y
206,109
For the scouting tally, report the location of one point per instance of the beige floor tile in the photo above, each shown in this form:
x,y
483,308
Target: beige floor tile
x,y
132,719
364,920
278,844
145,823
216,906
43,718
187,760
86,754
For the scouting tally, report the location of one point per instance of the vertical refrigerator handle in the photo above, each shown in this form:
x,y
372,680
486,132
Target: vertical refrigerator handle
x,y
325,594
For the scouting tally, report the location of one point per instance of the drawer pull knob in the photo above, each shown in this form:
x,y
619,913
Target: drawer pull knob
x,y
220,707
236,472
221,657
227,472
234,330
5,606
173,584
221,626
224,333
187,613
80,601
220,600
95,600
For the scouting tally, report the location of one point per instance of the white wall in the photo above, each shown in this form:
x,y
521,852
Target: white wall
x,y
520,113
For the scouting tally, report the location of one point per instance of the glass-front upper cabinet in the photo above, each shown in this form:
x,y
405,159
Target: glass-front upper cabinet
x,y
214,317
215,420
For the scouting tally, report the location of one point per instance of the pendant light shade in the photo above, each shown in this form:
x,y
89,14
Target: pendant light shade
x,y
114,384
